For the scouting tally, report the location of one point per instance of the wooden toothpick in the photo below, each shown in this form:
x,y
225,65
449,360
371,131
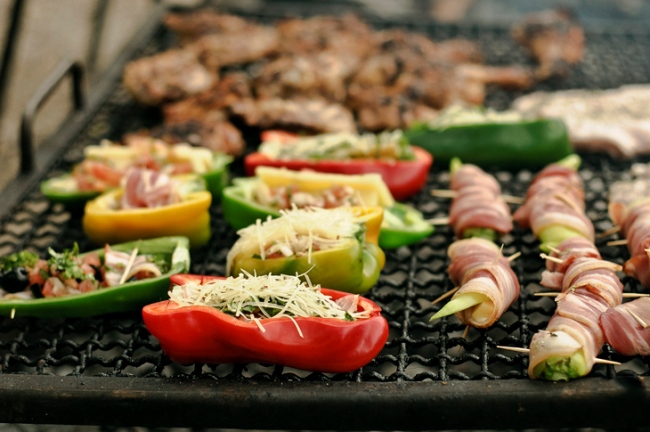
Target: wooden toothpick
x,y
438,221
445,295
552,258
637,318
609,232
555,294
466,332
526,351
444,193
129,265
621,242
514,256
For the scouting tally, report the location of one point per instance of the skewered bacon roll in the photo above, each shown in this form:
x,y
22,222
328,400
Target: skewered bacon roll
x,y
634,223
488,284
568,347
555,207
478,204
622,329
565,254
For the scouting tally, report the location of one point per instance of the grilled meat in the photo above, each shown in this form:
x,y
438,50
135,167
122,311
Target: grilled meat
x,y
191,26
314,115
211,103
614,121
168,76
554,38
227,49
219,135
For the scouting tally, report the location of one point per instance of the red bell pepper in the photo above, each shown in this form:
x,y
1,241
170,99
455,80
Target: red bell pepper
x,y
404,178
202,334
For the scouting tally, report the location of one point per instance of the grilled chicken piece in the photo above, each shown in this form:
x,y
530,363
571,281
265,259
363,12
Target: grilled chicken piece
x,y
227,49
217,134
313,115
346,35
554,38
191,26
453,51
312,75
211,103
168,76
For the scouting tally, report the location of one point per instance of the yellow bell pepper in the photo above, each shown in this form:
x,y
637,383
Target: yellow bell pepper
x,y
103,223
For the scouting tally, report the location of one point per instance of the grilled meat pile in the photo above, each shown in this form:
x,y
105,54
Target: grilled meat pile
x,y
322,74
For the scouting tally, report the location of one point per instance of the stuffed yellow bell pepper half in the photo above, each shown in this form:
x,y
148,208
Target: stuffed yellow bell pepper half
x,y
150,205
336,248
275,189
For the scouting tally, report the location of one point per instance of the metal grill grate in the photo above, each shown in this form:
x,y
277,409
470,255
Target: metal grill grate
x,y
417,350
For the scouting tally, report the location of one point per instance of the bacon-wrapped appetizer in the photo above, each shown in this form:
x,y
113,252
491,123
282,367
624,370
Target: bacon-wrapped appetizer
x,y
554,207
488,286
626,327
563,256
568,347
478,210
634,223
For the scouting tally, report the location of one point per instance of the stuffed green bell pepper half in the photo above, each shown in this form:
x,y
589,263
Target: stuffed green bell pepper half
x,y
276,189
117,278
335,247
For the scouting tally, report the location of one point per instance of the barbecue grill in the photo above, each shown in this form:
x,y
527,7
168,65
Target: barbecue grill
x,y
109,370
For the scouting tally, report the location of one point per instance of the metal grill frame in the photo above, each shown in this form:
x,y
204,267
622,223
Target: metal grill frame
x,y
278,399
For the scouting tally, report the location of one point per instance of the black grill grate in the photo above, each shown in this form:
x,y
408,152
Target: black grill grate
x,y
417,350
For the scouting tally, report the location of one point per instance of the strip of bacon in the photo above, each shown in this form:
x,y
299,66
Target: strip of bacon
x,y
562,257
478,202
624,330
478,267
634,223
590,287
555,199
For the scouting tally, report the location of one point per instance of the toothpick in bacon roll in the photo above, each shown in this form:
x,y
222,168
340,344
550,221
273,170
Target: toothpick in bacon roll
x,y
488,286
563,256
634,223
625,327
555,207
568,347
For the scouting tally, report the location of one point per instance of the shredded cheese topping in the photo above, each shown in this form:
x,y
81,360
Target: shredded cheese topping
x,y
255,298
297,232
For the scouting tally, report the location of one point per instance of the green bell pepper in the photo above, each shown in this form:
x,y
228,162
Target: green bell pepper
x,y
402,224
65,189
126,297
353,265
489,139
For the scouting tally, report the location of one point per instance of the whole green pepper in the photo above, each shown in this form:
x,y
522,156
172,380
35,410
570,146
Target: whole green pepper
x,y
500,142
126,297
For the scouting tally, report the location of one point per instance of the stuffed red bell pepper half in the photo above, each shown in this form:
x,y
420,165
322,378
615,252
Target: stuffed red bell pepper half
x,y
404,168
266,319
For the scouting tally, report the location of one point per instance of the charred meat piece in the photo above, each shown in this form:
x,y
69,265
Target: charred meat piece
x,y
311,75
217,135
227,49
312,115
211,103
554,38
451,51
192,25
169,76
346,35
